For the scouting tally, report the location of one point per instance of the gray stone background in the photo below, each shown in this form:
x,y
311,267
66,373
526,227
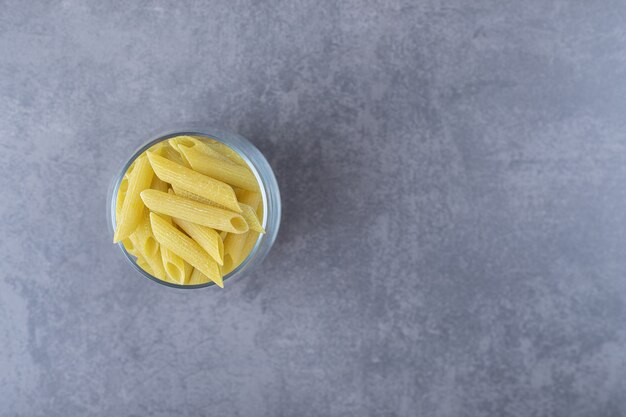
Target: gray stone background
x,y
454,230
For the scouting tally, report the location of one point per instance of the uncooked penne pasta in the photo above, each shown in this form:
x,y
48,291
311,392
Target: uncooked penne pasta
x,y
249,216
227,152
174,266
233,174
197,144
251,239
133,207
233,250
144,265
130,169
151,255
194,211
247,212
188,270
197,277
173,155
185,247
130,248
237,247
188,179
190,209
121,195
253,200
206,237
144,238
188,194
159,184
121,191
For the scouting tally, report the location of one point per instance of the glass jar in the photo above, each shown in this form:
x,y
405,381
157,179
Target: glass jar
x,y
263,173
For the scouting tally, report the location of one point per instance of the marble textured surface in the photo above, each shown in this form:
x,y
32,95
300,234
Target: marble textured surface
x,y
453,180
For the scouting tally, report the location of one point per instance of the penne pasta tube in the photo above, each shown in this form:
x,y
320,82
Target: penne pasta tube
x,y
197,144
121,195
250,202
194,211
206,237
238,247
250,217
247,211
144,265
197,277
133,207
159,184
188,270
185,247
151,255
174,156
130,248
174,266
233,251
251,239
185,178
227,152
232,174
251,198
188,194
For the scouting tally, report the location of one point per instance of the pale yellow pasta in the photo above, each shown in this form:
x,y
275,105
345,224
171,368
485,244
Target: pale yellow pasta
x,y
219,252
194,211
254,212
133,207
247,212
143,238
190,180
197,277
159,184
235,175
174,266
173,155
251,240
166,150
237,247
185,247
259,211
121,194
206,237
130,248
121,190
250,217
188,270
251,198
188,194
190,210
233,251
151,255
157,148
228,152
130,169
197,144
144,265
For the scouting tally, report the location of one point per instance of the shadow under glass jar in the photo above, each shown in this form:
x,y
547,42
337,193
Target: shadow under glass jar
x,y
261,170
